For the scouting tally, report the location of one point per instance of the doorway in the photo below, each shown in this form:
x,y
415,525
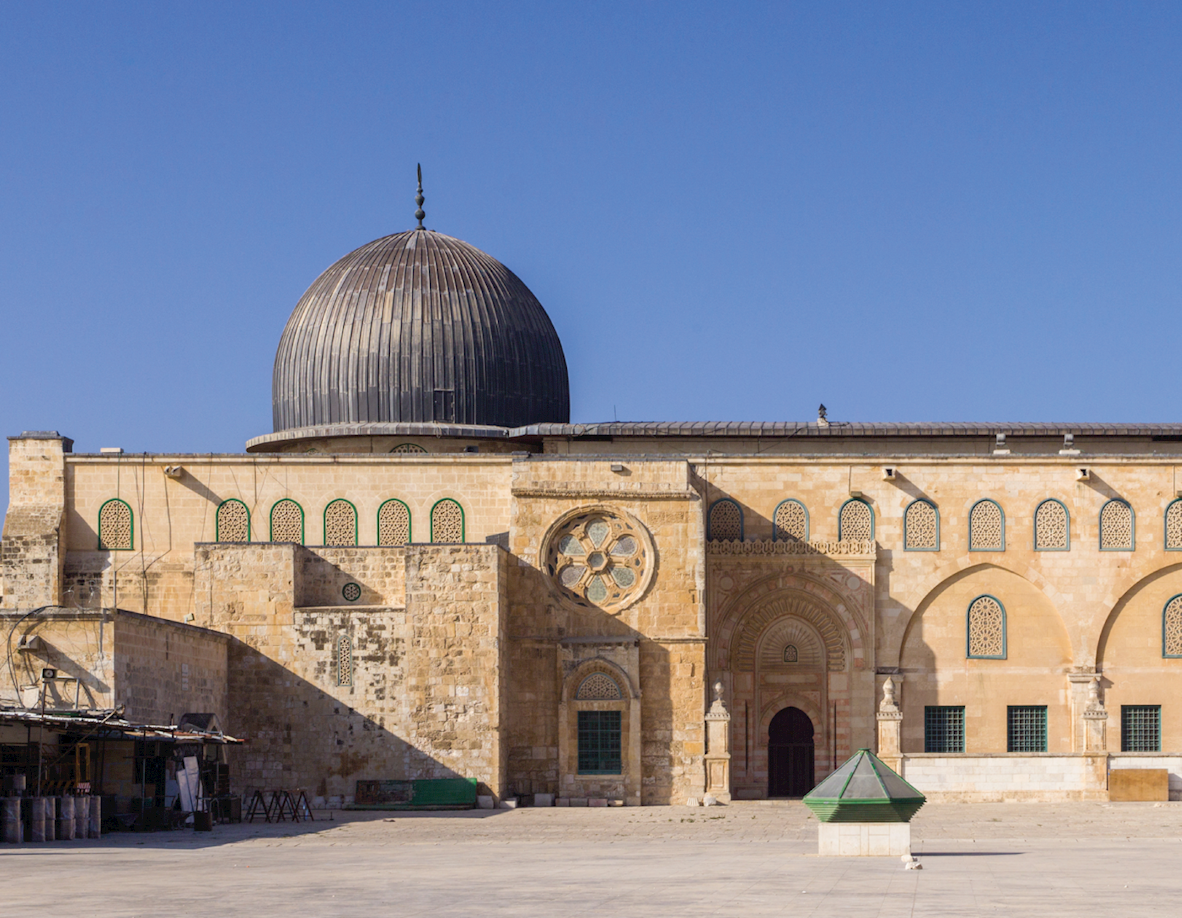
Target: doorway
x,y
790,754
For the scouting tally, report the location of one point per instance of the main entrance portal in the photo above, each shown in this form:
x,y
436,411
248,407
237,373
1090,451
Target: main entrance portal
x,y
790,754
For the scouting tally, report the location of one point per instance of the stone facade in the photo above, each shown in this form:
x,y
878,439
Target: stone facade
x,y
364,661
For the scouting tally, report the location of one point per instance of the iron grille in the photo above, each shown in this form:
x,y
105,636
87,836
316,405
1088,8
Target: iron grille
x,y
1026,728
1140,728
943,728
599,742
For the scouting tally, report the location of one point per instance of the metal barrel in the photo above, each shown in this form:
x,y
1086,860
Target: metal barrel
x,y
10,820
65,818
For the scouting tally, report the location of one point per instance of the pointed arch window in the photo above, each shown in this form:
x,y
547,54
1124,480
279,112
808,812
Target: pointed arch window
x,y
233,522
447,521
1052,526
986,629
855,521
921,526
287,522
987,527
790,523
116,526
726,521
393,523
340,523
1174,525
1117,525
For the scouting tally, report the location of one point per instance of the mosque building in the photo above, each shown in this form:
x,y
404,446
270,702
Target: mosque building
x,y
427,571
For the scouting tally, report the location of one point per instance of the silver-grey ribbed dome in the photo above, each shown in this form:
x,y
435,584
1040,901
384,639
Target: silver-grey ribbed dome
x,y
419,326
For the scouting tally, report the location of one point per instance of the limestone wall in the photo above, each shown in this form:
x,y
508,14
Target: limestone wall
x,y
163,670
31,550
79,645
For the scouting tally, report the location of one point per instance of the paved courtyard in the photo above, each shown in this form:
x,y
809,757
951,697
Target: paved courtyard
x,y
748,859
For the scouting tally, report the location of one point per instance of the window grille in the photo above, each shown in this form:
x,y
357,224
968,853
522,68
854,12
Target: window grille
x,y
791,654
344,660
287,522
726,521
855,522
599,742
447,521
393,523
943,728
1174,525
1026,728
340,523
1140,728
412,449
233,522
987,531
790,522
115,528
986,627
598,687
1116,526
1052,527
921,526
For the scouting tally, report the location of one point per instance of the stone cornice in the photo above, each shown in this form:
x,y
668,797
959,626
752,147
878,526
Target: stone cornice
x,y
848,548
576,490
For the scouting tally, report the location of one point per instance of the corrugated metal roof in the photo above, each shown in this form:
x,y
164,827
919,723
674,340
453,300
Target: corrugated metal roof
x,y
107,725
419,327
841,429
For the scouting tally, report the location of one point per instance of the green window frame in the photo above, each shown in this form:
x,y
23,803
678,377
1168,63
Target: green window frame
x,y
776,529
1123,546
841,534
717,506
217,520
1140,728
409,520
943,728
324,522
463,520
918,504
1066,546
599,743
130,546
276,505
1026,728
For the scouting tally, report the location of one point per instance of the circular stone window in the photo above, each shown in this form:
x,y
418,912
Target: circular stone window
x,y
599,558
351,592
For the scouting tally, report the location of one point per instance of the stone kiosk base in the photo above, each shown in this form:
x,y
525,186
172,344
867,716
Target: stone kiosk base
x,y
863,839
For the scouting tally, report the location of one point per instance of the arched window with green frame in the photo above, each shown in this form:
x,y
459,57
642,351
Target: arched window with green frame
x,y
394,523
725,523
447,521
790,522
340,523
855,521
116,526
921,526
232,523
287,521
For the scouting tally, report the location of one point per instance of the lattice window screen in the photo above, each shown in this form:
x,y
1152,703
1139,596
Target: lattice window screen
x,y
1171,629
408,448
856,522
447,522
1026,728
1174,525
393,523
1050,526
726,521
344,660
987,628
1140,728
1116,526
115,528
986,527
791,523
233,523
922,526
598,687
287,522
943,728
340,524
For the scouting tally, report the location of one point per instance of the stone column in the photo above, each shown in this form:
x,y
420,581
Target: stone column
x,y
1089,731
718,755
890,727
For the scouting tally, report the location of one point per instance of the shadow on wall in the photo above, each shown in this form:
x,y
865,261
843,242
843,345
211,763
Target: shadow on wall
x,y
300,736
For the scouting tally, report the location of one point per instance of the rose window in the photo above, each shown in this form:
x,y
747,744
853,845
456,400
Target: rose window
x,y
599,559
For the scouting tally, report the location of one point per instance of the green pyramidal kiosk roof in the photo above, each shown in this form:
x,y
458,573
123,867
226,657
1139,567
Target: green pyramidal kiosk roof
x,y
864,789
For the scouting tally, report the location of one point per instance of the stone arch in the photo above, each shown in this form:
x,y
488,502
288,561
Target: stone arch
x,y
809,644
585,668
830,606
790,698
789,605
1122,603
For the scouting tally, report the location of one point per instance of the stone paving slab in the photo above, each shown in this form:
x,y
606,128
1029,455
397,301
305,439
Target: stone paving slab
x,y
748,859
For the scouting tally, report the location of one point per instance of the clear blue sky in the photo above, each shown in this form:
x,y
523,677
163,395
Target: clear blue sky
x,y
731,211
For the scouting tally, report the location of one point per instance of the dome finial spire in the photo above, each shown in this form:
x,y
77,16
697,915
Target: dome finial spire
x,y
419,199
